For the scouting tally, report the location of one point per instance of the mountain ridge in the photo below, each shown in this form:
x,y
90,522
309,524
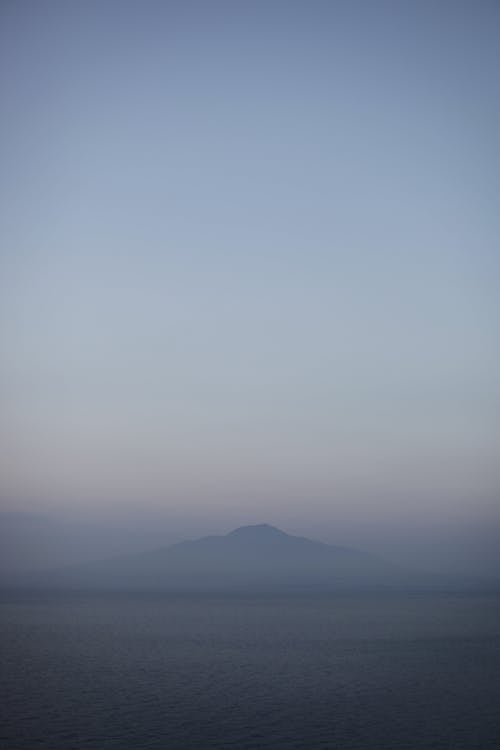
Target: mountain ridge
x,y
254,557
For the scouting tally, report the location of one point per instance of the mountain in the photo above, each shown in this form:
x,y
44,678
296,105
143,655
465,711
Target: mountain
x,y
258,557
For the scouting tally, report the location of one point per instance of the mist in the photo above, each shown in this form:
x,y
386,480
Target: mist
x,y
249,374
249,266
32,543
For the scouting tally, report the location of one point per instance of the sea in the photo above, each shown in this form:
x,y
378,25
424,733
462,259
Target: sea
x,y
149,670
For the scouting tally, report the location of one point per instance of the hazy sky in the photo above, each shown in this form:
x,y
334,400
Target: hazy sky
x,y
249,259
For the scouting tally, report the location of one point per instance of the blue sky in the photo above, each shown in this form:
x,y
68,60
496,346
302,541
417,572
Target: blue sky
x,y
249,259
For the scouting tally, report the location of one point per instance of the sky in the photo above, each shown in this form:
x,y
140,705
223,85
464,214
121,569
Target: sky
x,y
249,262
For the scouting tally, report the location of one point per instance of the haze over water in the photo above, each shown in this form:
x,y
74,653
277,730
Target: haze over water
x,y
249,268
249,275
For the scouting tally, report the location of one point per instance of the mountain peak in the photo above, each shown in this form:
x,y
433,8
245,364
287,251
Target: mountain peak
x,y
259,557
258,531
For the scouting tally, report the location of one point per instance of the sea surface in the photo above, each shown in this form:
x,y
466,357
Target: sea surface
x,y
147,671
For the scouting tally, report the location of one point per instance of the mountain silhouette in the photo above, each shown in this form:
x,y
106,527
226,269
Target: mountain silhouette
x,y
259,557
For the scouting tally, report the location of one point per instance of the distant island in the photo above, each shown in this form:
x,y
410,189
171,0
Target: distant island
x,y
259,557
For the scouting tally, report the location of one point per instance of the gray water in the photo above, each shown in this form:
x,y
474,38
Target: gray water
x,y
152,671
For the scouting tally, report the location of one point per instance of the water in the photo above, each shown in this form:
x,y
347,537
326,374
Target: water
x,y
152,671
